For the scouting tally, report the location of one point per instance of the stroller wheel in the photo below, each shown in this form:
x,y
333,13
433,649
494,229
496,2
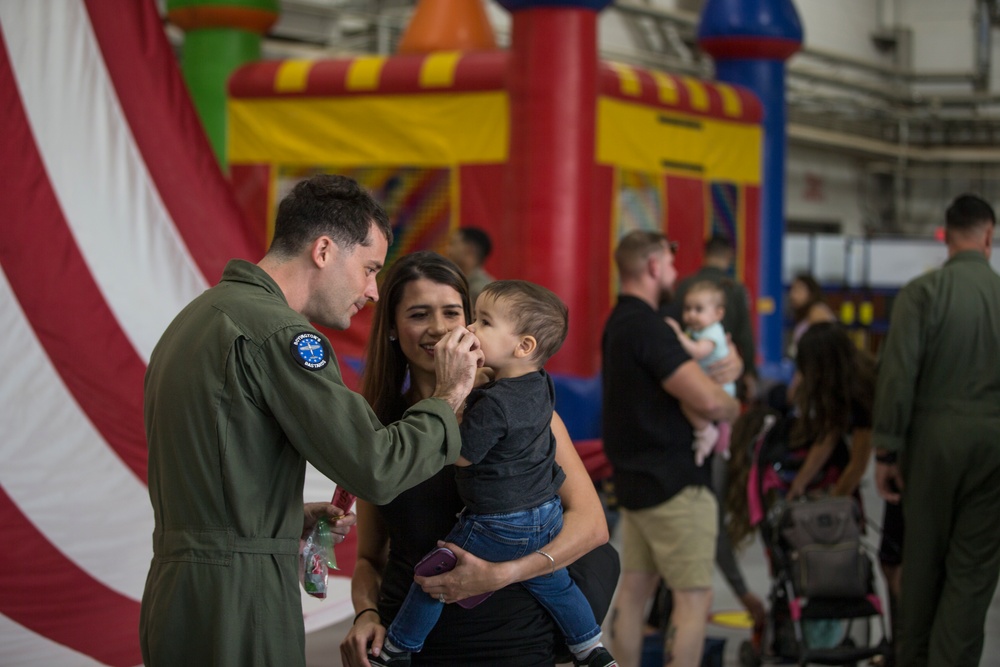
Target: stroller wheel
x,y
748,655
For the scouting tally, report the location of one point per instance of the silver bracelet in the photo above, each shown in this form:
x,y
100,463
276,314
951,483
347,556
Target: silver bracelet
x,y
552,561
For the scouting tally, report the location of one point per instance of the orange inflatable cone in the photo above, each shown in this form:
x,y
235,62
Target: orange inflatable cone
x,y
448,25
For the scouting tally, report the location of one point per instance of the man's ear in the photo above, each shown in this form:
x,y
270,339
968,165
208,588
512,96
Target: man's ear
x,y
525,347
653,266
323,250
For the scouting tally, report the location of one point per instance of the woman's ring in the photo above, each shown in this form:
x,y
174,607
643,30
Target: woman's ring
x,y
441,597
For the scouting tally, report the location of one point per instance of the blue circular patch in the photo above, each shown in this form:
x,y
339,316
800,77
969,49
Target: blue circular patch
x,y
310,351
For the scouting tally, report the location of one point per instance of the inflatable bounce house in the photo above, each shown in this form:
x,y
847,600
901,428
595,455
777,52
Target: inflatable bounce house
x,y
553,153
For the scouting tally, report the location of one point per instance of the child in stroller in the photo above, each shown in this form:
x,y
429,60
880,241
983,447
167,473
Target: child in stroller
x,y
802,467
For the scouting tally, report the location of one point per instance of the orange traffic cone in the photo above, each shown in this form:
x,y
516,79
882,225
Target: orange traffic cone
x,y
448,25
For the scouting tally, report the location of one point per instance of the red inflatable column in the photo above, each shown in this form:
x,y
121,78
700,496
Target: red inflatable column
x,y
550,172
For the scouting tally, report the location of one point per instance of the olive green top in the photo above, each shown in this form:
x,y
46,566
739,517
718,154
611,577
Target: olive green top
x,y
942,353
240,392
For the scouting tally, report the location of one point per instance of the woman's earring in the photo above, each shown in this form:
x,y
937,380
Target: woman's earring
x,y
392,337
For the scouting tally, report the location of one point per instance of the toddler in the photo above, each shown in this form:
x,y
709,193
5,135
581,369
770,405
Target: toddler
x,y
705,341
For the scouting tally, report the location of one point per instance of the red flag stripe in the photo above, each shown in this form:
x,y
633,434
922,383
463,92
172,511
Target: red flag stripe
x,y
48,594
169,135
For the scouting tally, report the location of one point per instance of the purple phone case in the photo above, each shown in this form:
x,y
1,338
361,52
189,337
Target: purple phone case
x,y
443,560
439,561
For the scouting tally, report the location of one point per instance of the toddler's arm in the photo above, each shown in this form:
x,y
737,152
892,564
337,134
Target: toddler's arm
x,y
698,349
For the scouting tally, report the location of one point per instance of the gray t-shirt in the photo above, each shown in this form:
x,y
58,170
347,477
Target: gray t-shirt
x,y
507,435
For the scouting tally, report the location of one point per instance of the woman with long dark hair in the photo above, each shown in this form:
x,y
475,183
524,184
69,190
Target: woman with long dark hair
x,y
805,297
423,297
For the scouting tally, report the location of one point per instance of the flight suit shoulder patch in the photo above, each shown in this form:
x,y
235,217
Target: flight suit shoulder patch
x,y
310,351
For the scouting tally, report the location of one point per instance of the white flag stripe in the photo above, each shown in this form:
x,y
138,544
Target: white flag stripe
x,y
318,487
336,607
23,648
117,217
59,470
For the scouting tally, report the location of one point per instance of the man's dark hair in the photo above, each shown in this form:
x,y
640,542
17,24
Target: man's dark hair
x,y
327,204
968,212
479,240
718,245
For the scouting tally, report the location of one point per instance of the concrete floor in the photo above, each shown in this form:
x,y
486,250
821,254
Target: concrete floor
x,y
322,646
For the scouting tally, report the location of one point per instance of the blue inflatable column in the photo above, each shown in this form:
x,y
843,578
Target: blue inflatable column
x,y
750,41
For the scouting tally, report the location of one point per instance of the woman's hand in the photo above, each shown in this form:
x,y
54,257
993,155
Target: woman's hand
x,y
340,523
755,607
471,576
366,631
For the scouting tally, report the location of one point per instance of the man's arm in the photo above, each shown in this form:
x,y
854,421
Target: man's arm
x,y
336,430
689,385
898,370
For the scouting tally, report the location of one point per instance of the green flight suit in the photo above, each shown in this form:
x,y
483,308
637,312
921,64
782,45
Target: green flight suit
x,y
938,404
240,392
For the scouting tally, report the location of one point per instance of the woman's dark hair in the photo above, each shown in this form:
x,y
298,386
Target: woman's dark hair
x,y
815,295
746,429
837,378
384,376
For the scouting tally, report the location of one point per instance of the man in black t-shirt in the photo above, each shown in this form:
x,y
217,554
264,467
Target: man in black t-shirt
x,y
668,508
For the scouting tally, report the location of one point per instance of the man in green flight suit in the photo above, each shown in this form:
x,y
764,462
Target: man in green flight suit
x,y
240,392
937,408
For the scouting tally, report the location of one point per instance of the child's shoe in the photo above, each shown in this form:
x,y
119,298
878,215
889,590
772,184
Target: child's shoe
x,y
599,657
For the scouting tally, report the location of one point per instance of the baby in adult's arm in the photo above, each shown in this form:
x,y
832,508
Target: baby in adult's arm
x,y
705,341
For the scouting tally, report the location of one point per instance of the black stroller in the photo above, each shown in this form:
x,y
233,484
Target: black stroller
x,y
822,595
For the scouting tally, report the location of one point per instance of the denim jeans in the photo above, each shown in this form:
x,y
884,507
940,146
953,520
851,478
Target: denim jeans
x,y
504,537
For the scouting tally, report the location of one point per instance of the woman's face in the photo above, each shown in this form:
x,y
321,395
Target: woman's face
x,y
427,311
798,294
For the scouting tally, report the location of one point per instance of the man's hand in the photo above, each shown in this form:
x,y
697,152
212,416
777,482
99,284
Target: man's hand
x,y
729,368
889,481
340,523
456,357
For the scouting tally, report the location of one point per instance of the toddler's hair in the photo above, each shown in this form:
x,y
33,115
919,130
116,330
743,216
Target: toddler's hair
x,y
708,287
534,311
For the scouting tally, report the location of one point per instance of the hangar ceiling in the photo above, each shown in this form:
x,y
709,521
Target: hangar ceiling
x,y
878,112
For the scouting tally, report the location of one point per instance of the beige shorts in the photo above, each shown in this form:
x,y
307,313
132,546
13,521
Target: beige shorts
x,y
675,539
